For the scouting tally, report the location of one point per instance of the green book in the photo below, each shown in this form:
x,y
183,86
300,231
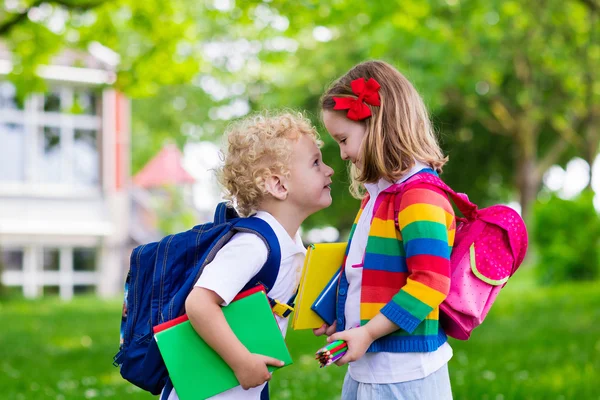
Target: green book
x,y
196,370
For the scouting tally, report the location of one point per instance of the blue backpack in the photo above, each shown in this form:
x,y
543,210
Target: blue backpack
x,y
162,274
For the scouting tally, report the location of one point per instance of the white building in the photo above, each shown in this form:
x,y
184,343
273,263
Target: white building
x,y
64,175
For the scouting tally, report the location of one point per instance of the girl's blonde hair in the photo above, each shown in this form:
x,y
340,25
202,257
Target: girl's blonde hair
x,y
258,147
397,133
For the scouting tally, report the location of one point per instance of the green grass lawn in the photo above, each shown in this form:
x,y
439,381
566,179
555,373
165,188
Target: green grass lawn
x,y
537,343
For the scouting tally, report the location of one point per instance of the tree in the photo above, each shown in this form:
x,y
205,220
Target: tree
x,y
511,84
532,68
522,70
153,38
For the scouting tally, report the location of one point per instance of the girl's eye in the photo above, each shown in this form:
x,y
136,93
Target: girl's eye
x,y
343,141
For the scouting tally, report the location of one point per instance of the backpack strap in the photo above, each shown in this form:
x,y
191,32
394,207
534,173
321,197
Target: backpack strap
x,y
166,390
264,395
268,273
224,213
283,309
464,205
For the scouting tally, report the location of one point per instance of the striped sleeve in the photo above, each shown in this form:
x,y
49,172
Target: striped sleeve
x,y
426,222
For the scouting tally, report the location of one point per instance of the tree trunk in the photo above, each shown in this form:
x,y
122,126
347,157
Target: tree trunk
x,y
591,150
528,183
528,177
590,157
2,289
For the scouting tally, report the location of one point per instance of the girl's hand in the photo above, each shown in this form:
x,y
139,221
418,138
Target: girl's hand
x,y
358,341
326,329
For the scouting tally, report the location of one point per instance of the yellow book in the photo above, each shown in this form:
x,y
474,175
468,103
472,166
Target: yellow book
x,y
322,261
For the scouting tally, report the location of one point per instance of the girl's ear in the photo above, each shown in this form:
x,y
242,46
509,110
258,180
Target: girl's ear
x,y
276,186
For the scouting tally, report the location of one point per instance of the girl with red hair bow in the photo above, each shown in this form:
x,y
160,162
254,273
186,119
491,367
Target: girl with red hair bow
x,y
397,267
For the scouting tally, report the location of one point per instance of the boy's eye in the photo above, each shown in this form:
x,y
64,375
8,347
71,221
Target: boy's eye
x,y
316,163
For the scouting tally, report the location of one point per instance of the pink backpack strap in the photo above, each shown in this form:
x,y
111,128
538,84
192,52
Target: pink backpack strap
x,y
465,206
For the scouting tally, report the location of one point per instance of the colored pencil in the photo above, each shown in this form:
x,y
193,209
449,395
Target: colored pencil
x,y
330,353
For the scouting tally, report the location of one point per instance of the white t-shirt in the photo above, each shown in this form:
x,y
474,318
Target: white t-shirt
x,y
382,367
233,267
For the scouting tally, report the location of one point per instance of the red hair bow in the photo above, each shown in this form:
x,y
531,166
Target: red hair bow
x,y
367,92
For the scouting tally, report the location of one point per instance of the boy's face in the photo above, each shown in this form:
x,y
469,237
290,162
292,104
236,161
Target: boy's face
x,y
310,178
347,133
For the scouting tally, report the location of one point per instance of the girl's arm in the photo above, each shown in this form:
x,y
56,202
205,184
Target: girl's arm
x,y
427,225
359,339
424,218
203,308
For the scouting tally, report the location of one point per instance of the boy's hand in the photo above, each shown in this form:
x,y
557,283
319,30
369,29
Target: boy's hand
x,y
326,329
253,372
358,341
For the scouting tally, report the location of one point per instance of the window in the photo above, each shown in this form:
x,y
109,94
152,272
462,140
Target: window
x,y
11,259
51,259
84,102
84,259
85,157
8,97
52,138
51,155
52,102
56,269
12,152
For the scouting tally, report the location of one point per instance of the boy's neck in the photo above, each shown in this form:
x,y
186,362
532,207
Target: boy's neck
x,y
288,218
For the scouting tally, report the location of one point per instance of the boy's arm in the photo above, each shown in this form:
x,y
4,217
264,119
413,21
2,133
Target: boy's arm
x,y
203,307
222,279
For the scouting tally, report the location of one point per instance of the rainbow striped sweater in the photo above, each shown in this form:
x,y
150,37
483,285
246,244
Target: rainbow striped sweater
x,y
406,271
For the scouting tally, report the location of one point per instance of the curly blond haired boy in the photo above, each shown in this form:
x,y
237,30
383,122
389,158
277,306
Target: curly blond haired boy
x,y
272,170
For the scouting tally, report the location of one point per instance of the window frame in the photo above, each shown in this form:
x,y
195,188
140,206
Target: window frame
x,y
34,118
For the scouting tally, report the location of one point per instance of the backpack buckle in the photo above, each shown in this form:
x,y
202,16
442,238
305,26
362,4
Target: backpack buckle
x,y
117,359
282,309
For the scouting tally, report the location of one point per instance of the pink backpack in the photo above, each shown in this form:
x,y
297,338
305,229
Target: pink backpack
x,y
489,246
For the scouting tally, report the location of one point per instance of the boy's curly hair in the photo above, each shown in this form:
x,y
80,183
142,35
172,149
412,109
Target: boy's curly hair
x,y
259,146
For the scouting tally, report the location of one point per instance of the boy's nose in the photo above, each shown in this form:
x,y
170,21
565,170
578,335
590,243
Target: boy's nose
x,y
329,171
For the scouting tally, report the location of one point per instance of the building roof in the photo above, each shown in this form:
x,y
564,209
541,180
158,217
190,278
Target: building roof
x,y
96,66
97,57
164,169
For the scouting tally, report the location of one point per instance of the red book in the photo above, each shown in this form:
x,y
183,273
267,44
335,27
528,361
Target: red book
x,y
184,317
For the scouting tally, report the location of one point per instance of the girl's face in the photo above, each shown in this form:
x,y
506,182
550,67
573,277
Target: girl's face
x,y
347,133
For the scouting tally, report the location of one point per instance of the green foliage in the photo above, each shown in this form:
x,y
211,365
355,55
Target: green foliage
x,y
505,81
175,114
484,69
524,350
173,211
479,164
567,234
152,38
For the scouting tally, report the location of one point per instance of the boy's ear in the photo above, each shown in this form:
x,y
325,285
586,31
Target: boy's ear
x,y
276,186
